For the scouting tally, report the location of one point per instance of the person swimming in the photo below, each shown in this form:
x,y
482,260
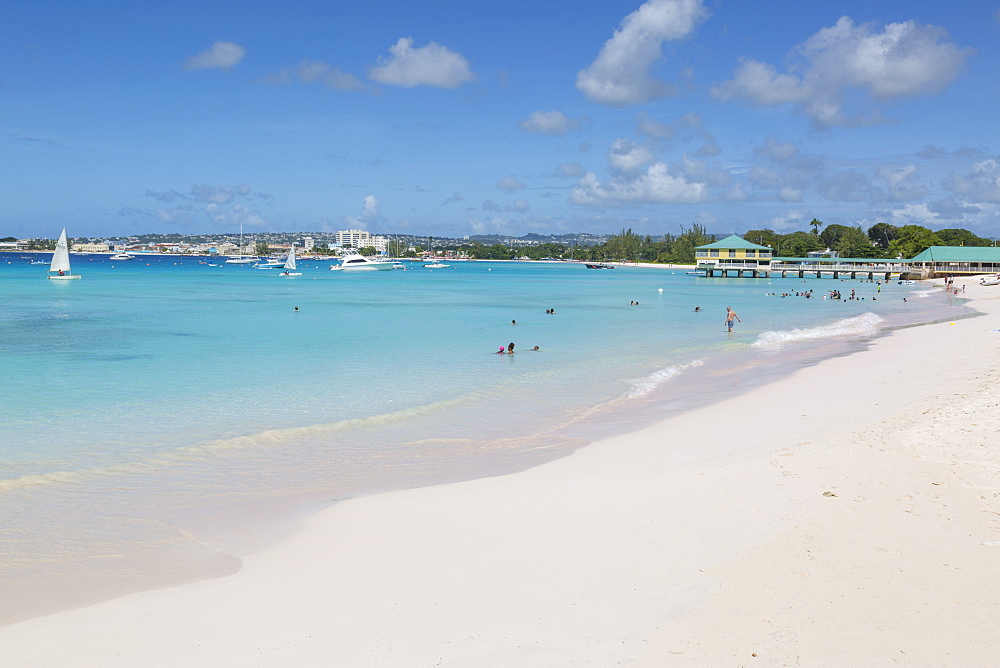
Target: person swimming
x,y
510,348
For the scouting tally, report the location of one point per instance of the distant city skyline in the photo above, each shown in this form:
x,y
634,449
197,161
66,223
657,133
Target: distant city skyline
x,y
453,120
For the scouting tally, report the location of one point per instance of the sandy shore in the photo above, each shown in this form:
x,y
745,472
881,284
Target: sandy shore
x,y
846,515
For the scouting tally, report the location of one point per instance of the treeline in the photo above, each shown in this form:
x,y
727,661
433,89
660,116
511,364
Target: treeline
x,y
881,240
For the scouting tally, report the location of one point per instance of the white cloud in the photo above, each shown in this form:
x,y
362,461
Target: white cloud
x,y
647,127
777,150
517,206
221,55
900,183
549,123
451,199
914,214
627,157
571,169
981,182
509,183
655,185
901,60
313,71
432,65
620,75
369,214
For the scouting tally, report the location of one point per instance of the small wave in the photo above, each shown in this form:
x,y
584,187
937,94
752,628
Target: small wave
x,y
867,323
265,439
643,386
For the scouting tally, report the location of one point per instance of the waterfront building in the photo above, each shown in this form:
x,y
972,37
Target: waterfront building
x,y
957,260
734,253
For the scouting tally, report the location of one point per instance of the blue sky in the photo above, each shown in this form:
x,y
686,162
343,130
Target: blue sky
x,y
451,118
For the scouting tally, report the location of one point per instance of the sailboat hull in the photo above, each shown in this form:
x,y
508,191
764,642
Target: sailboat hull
x,y
67,277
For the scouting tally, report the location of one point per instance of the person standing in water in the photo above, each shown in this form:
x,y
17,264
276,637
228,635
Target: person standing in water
x,y
730,316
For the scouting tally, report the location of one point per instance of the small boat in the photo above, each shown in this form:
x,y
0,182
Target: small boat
x,y
290,264
598,265
241,259
122,256
271,263
38,262
990,281
436,265
59,267
356,262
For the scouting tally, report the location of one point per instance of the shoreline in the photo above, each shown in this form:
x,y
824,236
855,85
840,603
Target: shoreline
x,y
630,545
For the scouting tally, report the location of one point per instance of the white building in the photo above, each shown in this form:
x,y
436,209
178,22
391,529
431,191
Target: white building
x,y
308,244
361,239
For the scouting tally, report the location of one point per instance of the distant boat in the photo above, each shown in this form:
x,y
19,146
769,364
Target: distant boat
x,y
122,256
290,264
356,262
435,265
241,259
598,265
59,267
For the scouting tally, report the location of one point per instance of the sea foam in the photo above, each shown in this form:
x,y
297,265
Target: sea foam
x,y
867,323
646,384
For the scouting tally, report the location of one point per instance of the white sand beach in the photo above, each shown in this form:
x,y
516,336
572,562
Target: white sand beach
x,y
848,514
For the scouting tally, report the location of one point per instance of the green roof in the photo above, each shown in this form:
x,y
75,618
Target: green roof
x,y
959,254
733,242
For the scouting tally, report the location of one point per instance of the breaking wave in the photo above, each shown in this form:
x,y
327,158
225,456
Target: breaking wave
x,y
867,323
645,385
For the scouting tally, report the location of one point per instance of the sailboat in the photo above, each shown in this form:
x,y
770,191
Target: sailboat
x,y
59,268
290,264
240,258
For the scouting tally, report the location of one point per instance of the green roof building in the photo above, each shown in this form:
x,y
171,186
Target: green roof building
x,y
733,254
958,260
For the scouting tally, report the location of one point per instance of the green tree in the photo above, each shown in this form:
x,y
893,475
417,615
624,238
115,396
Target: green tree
x,y
853,242
913,239
960,237
798,244
768,238
832,234
367,251
883,234
261,249
815,224
682,247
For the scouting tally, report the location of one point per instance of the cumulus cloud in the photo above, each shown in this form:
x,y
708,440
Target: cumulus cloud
x,y
451,199
368,215
490,205
898,61
620,75
510,183
981,182
655,185
517,206
313,71
432,65
549,123
220,56
900,183
627,156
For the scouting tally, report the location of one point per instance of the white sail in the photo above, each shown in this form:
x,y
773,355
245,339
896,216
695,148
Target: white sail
x,y
290,262
60,258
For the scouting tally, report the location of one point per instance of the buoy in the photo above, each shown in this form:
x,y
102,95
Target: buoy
x,y
660,290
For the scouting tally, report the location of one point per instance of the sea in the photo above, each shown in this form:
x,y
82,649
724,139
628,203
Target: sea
x,y
165,416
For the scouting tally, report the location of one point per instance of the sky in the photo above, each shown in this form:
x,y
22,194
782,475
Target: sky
x,y
456,118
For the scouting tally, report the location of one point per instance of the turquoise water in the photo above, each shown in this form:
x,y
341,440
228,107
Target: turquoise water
x,y
156,409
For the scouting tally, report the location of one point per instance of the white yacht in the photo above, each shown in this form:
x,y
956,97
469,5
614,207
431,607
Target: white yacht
x,y
356,262
122,256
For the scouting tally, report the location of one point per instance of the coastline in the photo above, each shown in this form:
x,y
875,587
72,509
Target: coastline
x,y
644,544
